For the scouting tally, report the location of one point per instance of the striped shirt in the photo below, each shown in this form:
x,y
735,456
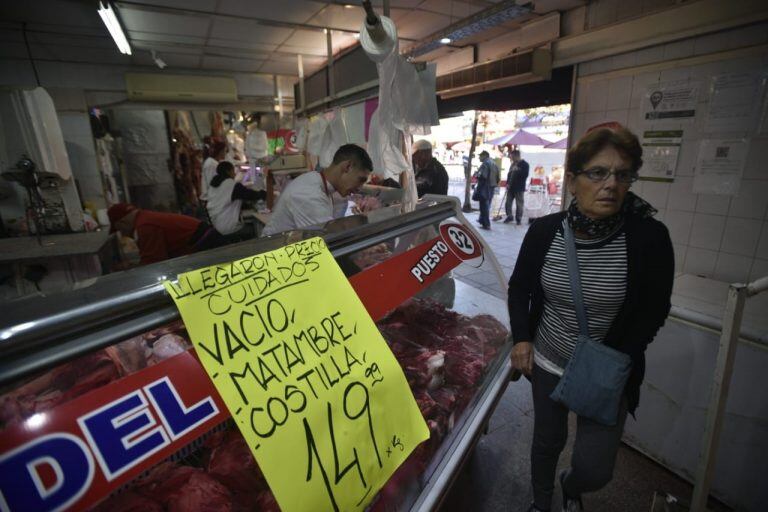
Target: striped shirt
x,y
603,268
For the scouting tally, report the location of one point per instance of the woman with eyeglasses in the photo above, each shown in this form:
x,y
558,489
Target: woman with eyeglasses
x,y
624,263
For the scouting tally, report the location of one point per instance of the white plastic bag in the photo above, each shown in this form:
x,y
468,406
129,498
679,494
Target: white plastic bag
x,y
335,136
316,132
301,128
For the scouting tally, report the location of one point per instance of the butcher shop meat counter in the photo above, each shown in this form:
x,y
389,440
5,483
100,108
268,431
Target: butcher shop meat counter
x,y
99,408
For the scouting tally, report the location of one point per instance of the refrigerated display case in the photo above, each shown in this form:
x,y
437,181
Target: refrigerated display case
x,y
115,357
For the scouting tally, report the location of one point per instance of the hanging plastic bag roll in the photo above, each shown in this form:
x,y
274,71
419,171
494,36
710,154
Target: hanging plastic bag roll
x,y
379,41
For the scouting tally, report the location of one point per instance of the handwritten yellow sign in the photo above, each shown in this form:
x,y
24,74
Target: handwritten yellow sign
x,y
317,394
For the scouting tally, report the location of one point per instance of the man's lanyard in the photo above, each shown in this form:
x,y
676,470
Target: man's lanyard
x,y
325,185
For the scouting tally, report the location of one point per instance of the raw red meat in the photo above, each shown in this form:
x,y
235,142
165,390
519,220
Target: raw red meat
x,y
60,385
128,501
185,489
201,493
232,464
91,371
266,502
425,336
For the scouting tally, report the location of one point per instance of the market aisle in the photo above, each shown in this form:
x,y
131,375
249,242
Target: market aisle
x,y
496,477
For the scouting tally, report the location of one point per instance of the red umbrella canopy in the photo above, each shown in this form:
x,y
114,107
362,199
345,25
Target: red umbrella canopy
x,y
560,144
519,138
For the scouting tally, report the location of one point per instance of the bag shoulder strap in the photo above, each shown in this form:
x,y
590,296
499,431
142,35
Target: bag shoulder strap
x,y
575,277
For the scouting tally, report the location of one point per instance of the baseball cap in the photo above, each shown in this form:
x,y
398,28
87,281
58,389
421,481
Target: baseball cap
x,y
117,212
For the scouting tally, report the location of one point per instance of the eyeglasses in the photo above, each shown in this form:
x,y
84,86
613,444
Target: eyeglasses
x,y
598,174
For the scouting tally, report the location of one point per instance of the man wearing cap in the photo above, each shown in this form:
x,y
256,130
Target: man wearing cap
x,y
161,236
516,179
484,188
431,177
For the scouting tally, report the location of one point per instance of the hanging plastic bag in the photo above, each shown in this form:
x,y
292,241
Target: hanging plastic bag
x,y
317,128
301,128
334,137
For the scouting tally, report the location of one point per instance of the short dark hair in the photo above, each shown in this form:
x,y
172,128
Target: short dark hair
x,y
224,168
623,140
484,152
353,152
515,152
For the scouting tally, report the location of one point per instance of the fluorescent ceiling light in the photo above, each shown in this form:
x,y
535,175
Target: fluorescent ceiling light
x,y
468,27
113,25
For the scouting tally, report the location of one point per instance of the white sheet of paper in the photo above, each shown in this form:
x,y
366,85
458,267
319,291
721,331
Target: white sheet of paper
x,y
720,166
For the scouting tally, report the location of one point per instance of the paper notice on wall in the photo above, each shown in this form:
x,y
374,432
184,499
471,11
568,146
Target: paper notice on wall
x,y
720,166
660,151
313,387
670,101
734,101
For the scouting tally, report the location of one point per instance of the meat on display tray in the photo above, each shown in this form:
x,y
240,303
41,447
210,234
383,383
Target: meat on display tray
x,y
443,353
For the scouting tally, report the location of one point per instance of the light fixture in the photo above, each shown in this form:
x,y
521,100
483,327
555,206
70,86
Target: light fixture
x,y
109,18
160,62
480,22
349,6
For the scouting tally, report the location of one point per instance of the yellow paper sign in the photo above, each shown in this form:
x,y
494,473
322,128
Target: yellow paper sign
x,y
319,397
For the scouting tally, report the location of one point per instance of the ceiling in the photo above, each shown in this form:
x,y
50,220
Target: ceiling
x,y
253,36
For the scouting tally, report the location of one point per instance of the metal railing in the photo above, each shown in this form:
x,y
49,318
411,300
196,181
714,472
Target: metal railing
x,y
734,309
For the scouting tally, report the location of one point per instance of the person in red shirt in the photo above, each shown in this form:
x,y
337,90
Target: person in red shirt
x,y
161,236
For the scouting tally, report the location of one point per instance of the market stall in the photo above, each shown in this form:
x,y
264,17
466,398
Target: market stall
x,y
67,360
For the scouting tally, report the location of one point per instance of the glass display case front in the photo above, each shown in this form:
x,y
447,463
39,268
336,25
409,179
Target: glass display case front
x,y
450,339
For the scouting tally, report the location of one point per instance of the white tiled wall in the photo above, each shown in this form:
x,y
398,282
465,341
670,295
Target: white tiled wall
x,y
721,237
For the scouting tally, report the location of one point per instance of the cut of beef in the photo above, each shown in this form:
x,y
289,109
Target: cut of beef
x,y
185,489
444,356
129,501
92,371
232,464
201,493
60,385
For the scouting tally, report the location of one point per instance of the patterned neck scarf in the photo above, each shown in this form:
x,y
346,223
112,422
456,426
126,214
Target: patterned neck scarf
x,y
633,206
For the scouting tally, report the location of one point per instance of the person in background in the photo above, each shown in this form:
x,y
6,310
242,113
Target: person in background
x,y
431,176
483,189
225,200
494,179
216,151
307,200
161,236
626,268
516,179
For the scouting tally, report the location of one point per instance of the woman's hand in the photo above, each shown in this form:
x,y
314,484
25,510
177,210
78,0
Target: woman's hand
x,y
522,357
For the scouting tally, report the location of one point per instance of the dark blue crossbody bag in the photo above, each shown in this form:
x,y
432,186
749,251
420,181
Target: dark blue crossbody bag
x,y
593,381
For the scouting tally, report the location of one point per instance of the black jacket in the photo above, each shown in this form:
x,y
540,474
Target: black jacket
x,y
433,179
650,274
517,176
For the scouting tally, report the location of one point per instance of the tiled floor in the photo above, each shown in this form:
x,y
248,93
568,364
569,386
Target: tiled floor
x,y
496,478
